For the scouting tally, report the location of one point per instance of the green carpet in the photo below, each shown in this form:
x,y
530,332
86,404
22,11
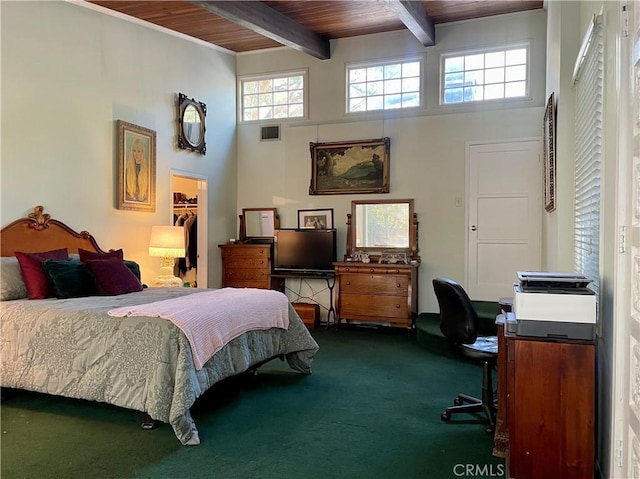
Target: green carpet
x,y
370,409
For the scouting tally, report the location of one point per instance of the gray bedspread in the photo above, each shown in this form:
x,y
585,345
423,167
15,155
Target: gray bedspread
x,y
72,348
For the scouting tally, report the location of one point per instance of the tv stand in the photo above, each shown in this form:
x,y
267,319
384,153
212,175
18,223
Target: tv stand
x,y
328,276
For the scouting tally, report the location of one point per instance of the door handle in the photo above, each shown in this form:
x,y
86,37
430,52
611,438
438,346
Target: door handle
x,y
473,228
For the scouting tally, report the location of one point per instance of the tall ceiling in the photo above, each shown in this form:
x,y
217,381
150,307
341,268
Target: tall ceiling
x,y
307,25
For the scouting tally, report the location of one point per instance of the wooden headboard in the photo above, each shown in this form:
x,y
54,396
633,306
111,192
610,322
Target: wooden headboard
x,y
38,232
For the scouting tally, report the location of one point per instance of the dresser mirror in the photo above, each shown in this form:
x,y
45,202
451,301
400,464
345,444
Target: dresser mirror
x,y
258,224
386,230
191,125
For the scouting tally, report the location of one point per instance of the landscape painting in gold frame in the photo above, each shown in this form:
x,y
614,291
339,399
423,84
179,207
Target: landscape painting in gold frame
x,y
350,167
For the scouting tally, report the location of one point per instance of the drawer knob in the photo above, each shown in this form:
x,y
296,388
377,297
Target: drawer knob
x,y
371,270
397,285
348,283
397,306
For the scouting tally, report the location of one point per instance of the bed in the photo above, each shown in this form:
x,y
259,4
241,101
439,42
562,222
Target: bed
x,y
73,347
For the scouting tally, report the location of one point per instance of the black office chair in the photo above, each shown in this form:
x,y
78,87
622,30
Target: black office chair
x,y
459,324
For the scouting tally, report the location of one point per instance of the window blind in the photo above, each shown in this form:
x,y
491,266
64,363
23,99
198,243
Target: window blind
x,y
588,151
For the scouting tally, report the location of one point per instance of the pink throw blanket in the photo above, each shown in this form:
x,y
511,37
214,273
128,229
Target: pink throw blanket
x,y
211,319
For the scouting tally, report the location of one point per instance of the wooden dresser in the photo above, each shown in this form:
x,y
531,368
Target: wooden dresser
x,y
248,266
380,293
550,407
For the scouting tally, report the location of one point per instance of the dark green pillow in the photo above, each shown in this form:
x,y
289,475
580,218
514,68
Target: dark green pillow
x,y
133,266
70,278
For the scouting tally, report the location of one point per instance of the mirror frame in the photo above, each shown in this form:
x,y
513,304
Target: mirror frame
x,y
374,253
244,237
183,139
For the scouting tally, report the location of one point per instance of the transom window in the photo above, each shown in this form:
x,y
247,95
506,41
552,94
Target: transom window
x,y
385,86
273,96
487,75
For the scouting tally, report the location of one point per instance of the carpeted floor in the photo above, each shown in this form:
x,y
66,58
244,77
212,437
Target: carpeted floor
x,y
371,409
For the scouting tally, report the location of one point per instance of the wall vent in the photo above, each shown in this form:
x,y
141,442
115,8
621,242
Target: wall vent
x,y
271,132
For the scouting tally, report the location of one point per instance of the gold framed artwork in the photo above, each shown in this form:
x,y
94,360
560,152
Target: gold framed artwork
x,y
136,167
549,147
350,167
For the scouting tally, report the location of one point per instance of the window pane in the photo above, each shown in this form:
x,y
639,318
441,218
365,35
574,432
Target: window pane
x,y
250,87
515,57
375,73
392,71
357,75
265,113
474,93
474,62
280,84
516,73
411,69
453,80
266,99
250,114
296,96
280,111
411,84
280,98
515,89
492,92
374,103
374,88
265,86
358,104
454,95
454,64
296,82
392,101
475,77
296,110
357,90
495,59
410,100
494,75
250,100
392,86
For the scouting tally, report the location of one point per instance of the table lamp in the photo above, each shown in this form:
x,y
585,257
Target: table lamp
x,y
167,242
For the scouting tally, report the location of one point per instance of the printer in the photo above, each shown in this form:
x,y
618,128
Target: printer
x,y
554,305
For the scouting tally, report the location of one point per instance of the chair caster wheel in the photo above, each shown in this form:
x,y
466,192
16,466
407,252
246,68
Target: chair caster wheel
x,y
457,402
445,416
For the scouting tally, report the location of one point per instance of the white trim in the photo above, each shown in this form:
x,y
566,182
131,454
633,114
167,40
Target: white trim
x,y
584,47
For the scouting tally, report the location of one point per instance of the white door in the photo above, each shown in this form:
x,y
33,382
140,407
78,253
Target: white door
x,y
626,361
503,216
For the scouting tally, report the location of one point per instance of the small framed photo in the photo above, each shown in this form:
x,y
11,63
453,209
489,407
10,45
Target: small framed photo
x,y
315,219
136,168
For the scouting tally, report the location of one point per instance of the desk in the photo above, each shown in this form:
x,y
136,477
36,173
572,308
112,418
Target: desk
x,y
330,278
549,412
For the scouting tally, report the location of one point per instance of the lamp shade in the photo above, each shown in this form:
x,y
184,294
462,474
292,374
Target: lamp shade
x,y
167,242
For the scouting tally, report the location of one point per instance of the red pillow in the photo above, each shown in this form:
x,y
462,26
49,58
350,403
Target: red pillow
x,y
86,255
112,277
35,279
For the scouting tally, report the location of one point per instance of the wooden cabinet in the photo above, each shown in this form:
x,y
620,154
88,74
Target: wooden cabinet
x,y
381,293
550,407
247,266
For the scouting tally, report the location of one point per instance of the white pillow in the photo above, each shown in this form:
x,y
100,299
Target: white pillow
x,y
11,282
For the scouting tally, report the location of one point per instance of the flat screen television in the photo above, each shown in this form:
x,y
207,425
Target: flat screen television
x,y
304,250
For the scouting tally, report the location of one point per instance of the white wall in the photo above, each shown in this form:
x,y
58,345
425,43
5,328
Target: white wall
x,y
68,73
427,146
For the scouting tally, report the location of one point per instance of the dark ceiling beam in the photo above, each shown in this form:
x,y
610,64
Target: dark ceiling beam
x,y
264,20
412,14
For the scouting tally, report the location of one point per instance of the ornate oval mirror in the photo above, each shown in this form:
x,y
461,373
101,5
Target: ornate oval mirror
x,y
191,126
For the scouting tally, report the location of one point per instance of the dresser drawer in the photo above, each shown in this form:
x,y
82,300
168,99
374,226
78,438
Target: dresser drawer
x,y
246,274
236,283
358,306
374,284
246,262
244,252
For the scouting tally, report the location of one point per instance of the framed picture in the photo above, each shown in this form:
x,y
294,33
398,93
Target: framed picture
x,y
136,167
549,136
350,167
315,219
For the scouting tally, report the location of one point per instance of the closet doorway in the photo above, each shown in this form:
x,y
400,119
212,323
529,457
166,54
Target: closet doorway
x,y
189,210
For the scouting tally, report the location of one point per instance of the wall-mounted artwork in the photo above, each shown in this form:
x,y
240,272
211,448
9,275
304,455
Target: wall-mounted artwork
x,y
549,136
349,167
191,126
136,167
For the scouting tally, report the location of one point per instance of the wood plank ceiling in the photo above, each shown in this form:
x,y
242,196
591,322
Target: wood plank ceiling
x,y
307,25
